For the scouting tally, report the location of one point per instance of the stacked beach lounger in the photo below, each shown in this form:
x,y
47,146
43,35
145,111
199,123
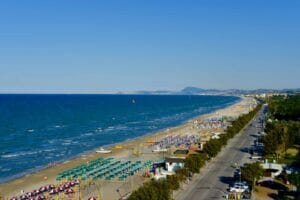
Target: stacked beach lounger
x,y
107,169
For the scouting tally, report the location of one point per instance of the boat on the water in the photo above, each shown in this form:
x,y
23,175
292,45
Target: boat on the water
x,y
102,150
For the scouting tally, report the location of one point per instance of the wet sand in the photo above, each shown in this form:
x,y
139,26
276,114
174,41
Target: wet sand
x,y
122,150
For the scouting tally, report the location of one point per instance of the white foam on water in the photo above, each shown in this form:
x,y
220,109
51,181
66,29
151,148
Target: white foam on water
x,y
134,122
87,134
99,129
5,169
20,154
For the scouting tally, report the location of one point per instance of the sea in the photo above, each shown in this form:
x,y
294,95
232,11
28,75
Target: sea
x,y
37,130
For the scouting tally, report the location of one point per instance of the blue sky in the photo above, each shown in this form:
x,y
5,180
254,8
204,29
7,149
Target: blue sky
x,y
110,46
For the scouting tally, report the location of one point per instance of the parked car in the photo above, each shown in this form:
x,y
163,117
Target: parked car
x,y
239,187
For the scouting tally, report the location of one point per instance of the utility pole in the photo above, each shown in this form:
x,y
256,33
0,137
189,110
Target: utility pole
x,y
240,174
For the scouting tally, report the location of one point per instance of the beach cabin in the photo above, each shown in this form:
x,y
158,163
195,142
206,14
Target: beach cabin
x,y
174,163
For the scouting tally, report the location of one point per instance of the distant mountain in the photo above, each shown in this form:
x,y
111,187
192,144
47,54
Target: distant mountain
x,y
195,90
200,91
155,92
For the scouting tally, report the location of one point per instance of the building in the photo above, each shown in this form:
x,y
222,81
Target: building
x,y
174,163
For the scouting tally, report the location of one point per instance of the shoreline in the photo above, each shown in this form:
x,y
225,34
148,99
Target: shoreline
x,y
32,180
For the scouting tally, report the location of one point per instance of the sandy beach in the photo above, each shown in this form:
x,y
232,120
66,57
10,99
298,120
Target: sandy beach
x,y
137,149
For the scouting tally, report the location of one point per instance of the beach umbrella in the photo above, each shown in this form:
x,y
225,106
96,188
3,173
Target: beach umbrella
x,y
40,197
54,191
61,189
36,192
92,198
30,194
42,189
69,191
72,183
23,197
50,186
66,185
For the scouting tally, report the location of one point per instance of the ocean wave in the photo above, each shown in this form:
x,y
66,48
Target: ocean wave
x,y
116,128
52,141
49,150
66,142
5,169
20,154
87,134
152,127
99,129
26,153
134,122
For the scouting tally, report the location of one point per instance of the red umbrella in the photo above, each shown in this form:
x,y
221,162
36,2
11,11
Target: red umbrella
x,y
92,198
42,189
66,185
36,192
61,189
53,191
48,187
30,194
69,191
23,197
40,197
72,183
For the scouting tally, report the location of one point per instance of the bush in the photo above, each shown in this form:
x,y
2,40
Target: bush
x,y
173,182
194,162
152,190
182,174
212,147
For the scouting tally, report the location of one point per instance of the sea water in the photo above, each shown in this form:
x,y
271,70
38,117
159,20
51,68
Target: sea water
x,y
36,130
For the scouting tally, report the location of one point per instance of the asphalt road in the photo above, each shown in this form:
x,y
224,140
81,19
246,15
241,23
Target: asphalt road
x,y
215,178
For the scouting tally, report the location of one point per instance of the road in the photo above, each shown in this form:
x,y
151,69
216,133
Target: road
x,y
215,178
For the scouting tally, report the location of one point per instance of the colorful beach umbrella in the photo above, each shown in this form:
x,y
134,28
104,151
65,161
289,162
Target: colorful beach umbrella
x,y
23,197
69,191
54,191
40,197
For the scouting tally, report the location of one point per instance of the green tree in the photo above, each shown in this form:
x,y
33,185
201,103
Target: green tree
x,y
294,178
173,182
182,174
152,190
194,162
212,147
251,172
